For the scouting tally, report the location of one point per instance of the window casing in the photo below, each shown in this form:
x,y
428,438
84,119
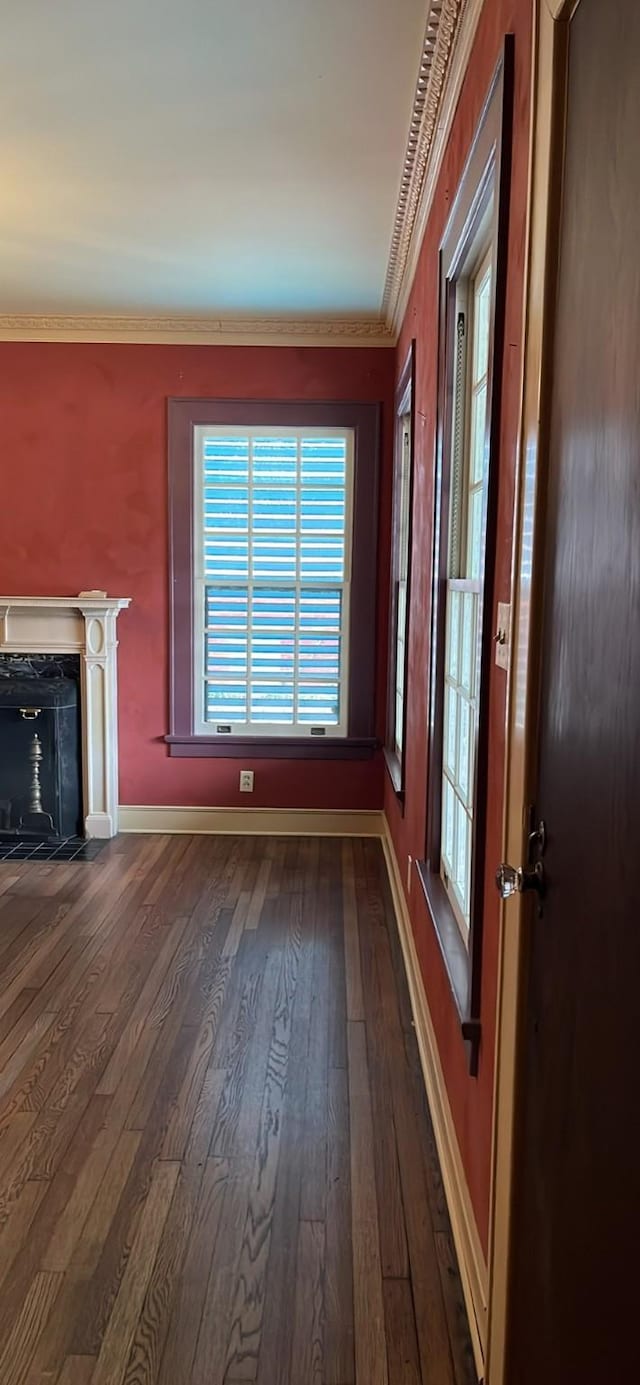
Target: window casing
x,y
471,339
400,573
273,547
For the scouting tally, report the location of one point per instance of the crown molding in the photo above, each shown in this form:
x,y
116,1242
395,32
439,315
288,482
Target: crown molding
x,y
246,331
449,35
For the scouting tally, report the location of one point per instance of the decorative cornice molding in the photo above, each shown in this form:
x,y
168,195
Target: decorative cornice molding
x,y
254,331
451,26
441,20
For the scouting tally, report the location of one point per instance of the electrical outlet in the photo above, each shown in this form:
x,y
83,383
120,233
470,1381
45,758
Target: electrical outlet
x,y
409,865
246,781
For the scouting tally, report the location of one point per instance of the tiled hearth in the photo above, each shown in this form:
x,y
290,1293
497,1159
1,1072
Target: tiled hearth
x,y
68,849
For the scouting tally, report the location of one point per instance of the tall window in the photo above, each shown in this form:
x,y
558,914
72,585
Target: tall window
x,y
471,332
400,573
401,583
465,564
273,522
272,545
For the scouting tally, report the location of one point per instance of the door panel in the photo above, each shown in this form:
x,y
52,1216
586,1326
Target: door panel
x,y
576,1225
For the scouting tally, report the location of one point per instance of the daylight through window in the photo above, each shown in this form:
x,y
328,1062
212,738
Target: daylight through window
x,y
272,560
469,478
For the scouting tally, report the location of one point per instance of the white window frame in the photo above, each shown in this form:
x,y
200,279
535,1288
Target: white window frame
x,y
459,583
261,730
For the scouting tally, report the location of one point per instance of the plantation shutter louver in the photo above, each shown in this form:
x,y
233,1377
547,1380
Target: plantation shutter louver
x,y
272,544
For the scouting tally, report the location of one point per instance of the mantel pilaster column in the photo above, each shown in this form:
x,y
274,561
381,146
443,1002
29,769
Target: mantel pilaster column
x,y
99,677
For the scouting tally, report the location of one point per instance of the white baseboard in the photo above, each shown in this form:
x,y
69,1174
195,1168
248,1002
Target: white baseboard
x,y
280,822
471,1260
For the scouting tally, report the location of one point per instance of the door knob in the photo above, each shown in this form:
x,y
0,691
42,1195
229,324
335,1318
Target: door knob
x,y
514,880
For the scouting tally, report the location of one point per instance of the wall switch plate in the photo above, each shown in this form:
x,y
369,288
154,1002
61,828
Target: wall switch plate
x,y
246,781
502,636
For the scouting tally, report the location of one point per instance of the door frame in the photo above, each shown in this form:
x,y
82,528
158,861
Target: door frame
x,y
546,157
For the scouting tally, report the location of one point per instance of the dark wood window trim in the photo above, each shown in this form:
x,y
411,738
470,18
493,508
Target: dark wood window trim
x,y
484,189
405,403
364,419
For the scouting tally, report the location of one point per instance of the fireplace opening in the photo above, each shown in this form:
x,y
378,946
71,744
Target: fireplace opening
x,y
40,748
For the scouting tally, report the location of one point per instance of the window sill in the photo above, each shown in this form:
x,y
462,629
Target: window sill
x,y
394,770
454,955
271,747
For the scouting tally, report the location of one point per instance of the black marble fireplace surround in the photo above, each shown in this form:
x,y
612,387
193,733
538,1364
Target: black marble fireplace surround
x,y
40,753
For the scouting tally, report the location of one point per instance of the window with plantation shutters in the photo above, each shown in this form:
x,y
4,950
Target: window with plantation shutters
x,y
273,556
272,546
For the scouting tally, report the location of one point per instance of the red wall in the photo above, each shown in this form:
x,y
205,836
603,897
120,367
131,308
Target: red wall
x,y
84,504
471,1098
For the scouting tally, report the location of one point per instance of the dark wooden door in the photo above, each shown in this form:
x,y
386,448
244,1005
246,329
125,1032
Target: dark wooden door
x,y
575,1307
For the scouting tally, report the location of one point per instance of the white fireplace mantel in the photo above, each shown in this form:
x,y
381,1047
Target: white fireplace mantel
x,y
83,625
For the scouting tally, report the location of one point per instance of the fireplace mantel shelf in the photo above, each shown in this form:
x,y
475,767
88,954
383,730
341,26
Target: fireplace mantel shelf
x,y
85,625
82,602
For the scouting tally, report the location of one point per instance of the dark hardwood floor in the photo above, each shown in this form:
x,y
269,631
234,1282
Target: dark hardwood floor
x,y
216,1159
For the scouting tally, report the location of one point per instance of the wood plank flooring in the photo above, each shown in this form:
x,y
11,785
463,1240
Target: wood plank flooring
x,y
216,1159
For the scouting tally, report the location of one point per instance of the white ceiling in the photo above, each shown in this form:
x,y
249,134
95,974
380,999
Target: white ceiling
x,y
202,157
